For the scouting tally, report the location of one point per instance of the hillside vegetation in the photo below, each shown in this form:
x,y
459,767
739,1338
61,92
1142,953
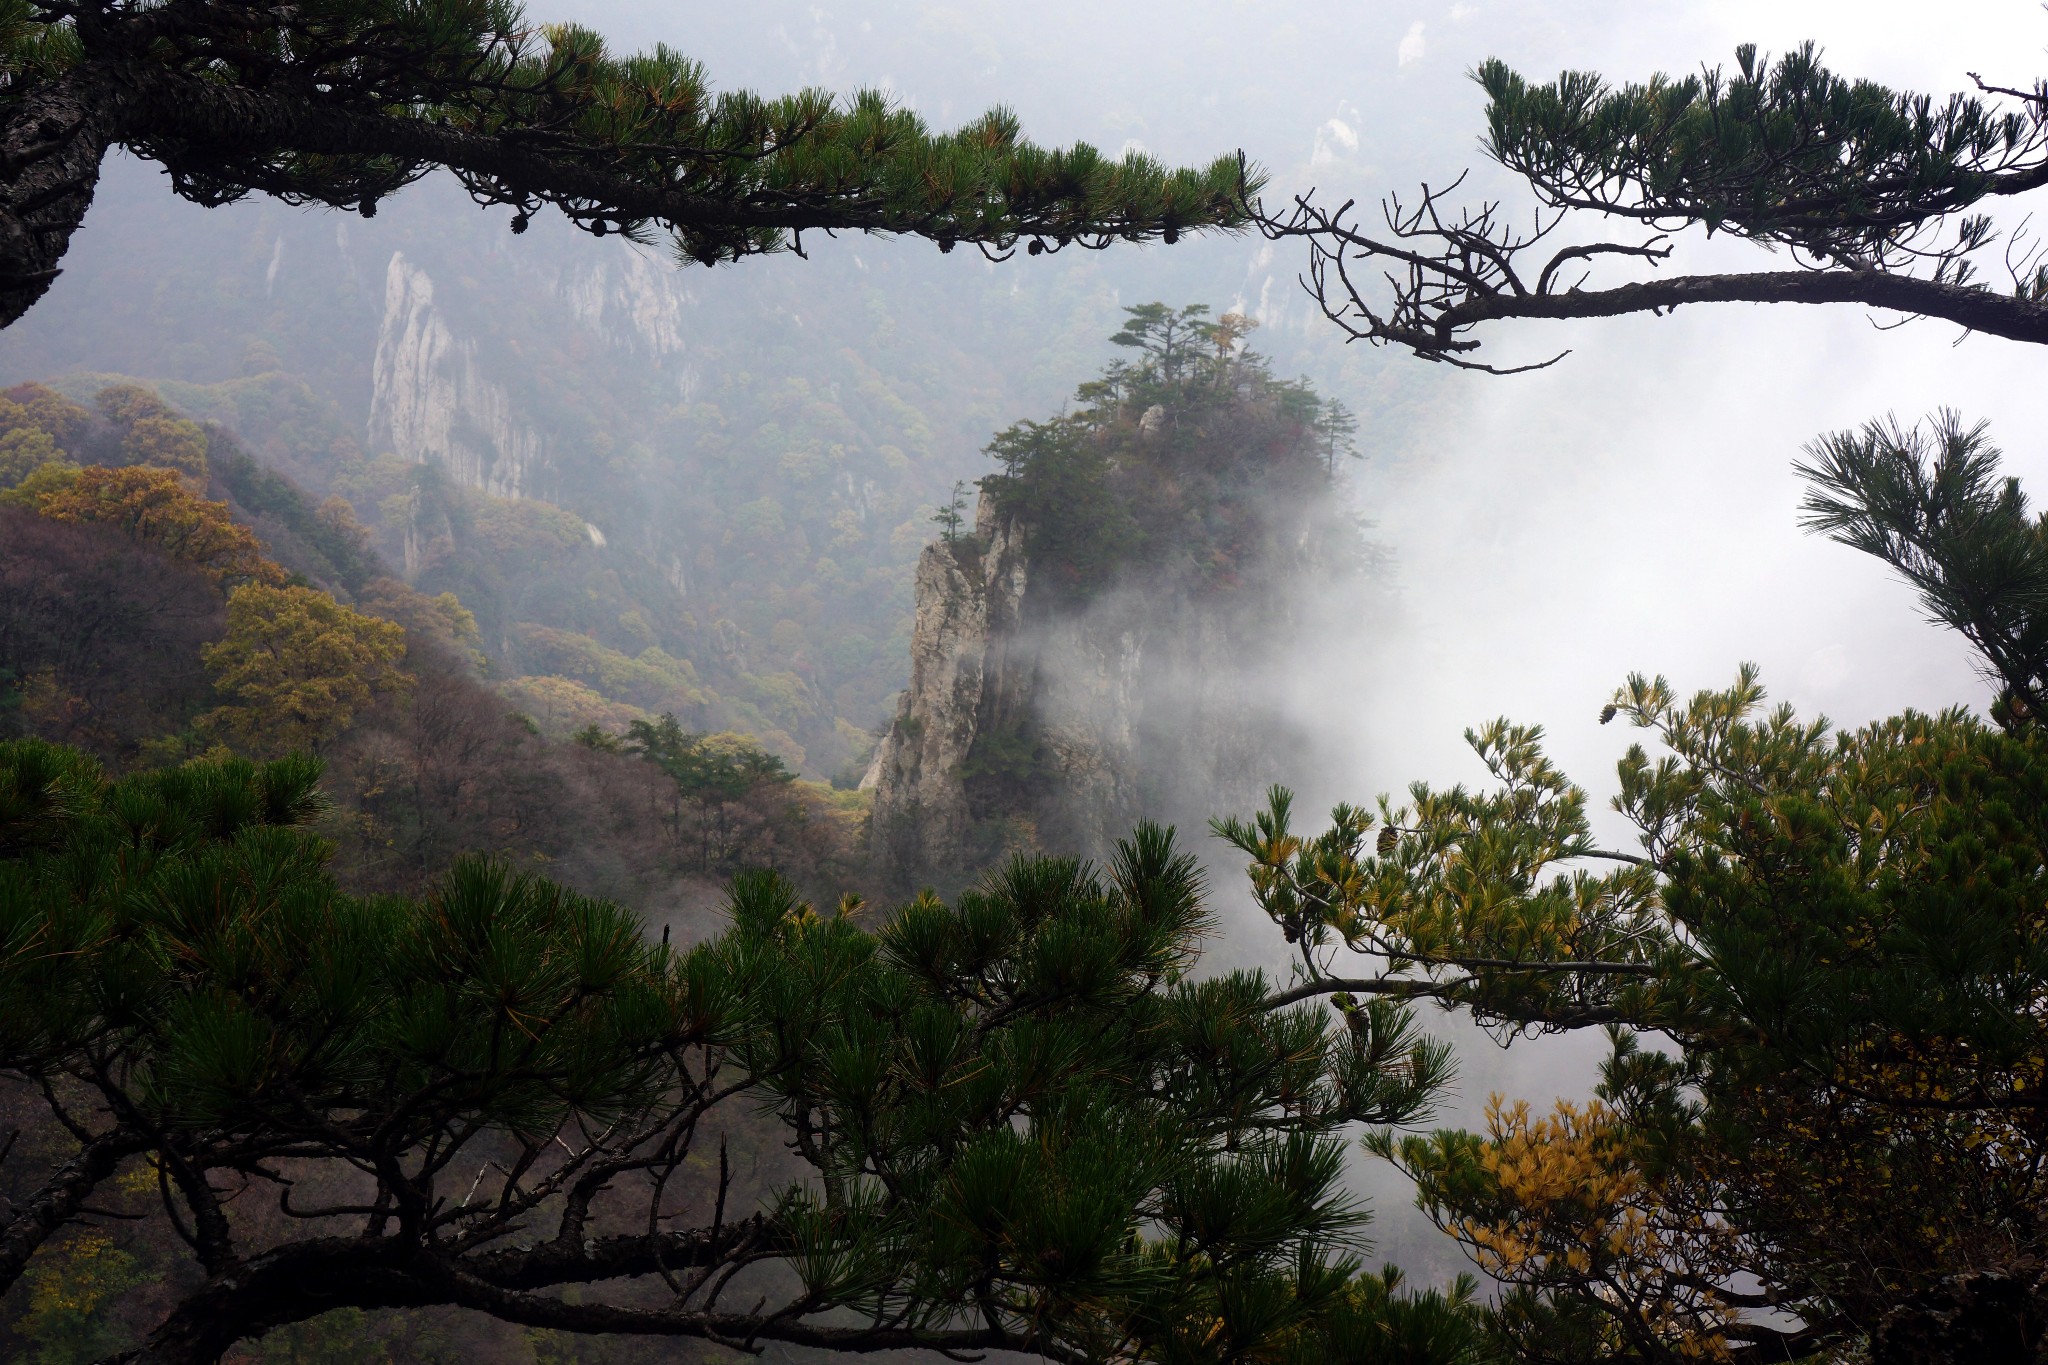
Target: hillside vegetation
x,y
171,596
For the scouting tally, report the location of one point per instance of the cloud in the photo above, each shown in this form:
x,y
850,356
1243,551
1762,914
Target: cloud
x,y
1411,45
1334,135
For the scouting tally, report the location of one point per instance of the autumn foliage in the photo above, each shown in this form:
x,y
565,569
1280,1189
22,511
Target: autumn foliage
x,y
155,507
36,427
40,407
152,434
298,666
1607,1249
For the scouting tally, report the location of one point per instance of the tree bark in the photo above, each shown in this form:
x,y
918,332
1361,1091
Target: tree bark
x,y
290,1284
52,143
50,1208
305,1279
1980,310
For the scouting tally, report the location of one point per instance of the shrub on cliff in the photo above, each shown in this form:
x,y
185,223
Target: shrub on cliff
x,y
1192,464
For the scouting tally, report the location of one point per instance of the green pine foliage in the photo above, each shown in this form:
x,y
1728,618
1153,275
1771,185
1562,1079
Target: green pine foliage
x,y
1180,464
1060,1129
346,103
1881,196
1785,152
1022,1122
725,787
1930,501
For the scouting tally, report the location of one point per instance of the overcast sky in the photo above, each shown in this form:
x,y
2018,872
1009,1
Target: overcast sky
x,y
1632,508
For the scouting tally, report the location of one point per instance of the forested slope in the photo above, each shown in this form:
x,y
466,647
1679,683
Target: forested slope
x,y
169,594
758,486
605,456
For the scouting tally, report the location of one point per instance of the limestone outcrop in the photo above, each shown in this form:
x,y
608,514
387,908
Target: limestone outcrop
x,y
437,397
431,400
1029,725
969,602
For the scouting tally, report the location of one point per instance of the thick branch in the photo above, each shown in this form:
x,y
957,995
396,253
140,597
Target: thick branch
x,y
306,1279
52,141
608,1258
165,108
531,1311
31,1223
1978,310
1436,297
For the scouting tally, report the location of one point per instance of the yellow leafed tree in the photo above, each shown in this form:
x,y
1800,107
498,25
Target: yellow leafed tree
x,y
156,507
1566,1202
298,666
36,427
168,442
37,407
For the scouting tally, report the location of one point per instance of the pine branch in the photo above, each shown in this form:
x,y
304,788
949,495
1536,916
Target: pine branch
x,y
1872,191
347,111
1454,278
61,1197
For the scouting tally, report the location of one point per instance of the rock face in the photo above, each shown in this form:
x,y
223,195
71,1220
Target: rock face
x,y
431,401
634,301
1030,726
970,598
435,398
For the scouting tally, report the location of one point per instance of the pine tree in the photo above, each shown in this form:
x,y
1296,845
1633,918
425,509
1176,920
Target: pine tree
x,y
1833,936
949,516
1876,196
344,103
1930,501
711,773
1026,1125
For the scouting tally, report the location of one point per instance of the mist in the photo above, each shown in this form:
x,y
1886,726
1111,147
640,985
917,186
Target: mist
x,y
1632,508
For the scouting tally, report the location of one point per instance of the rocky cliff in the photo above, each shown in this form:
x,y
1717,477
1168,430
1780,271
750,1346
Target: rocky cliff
x,y
1109,643
432,402
969,597
1031,724
436,398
